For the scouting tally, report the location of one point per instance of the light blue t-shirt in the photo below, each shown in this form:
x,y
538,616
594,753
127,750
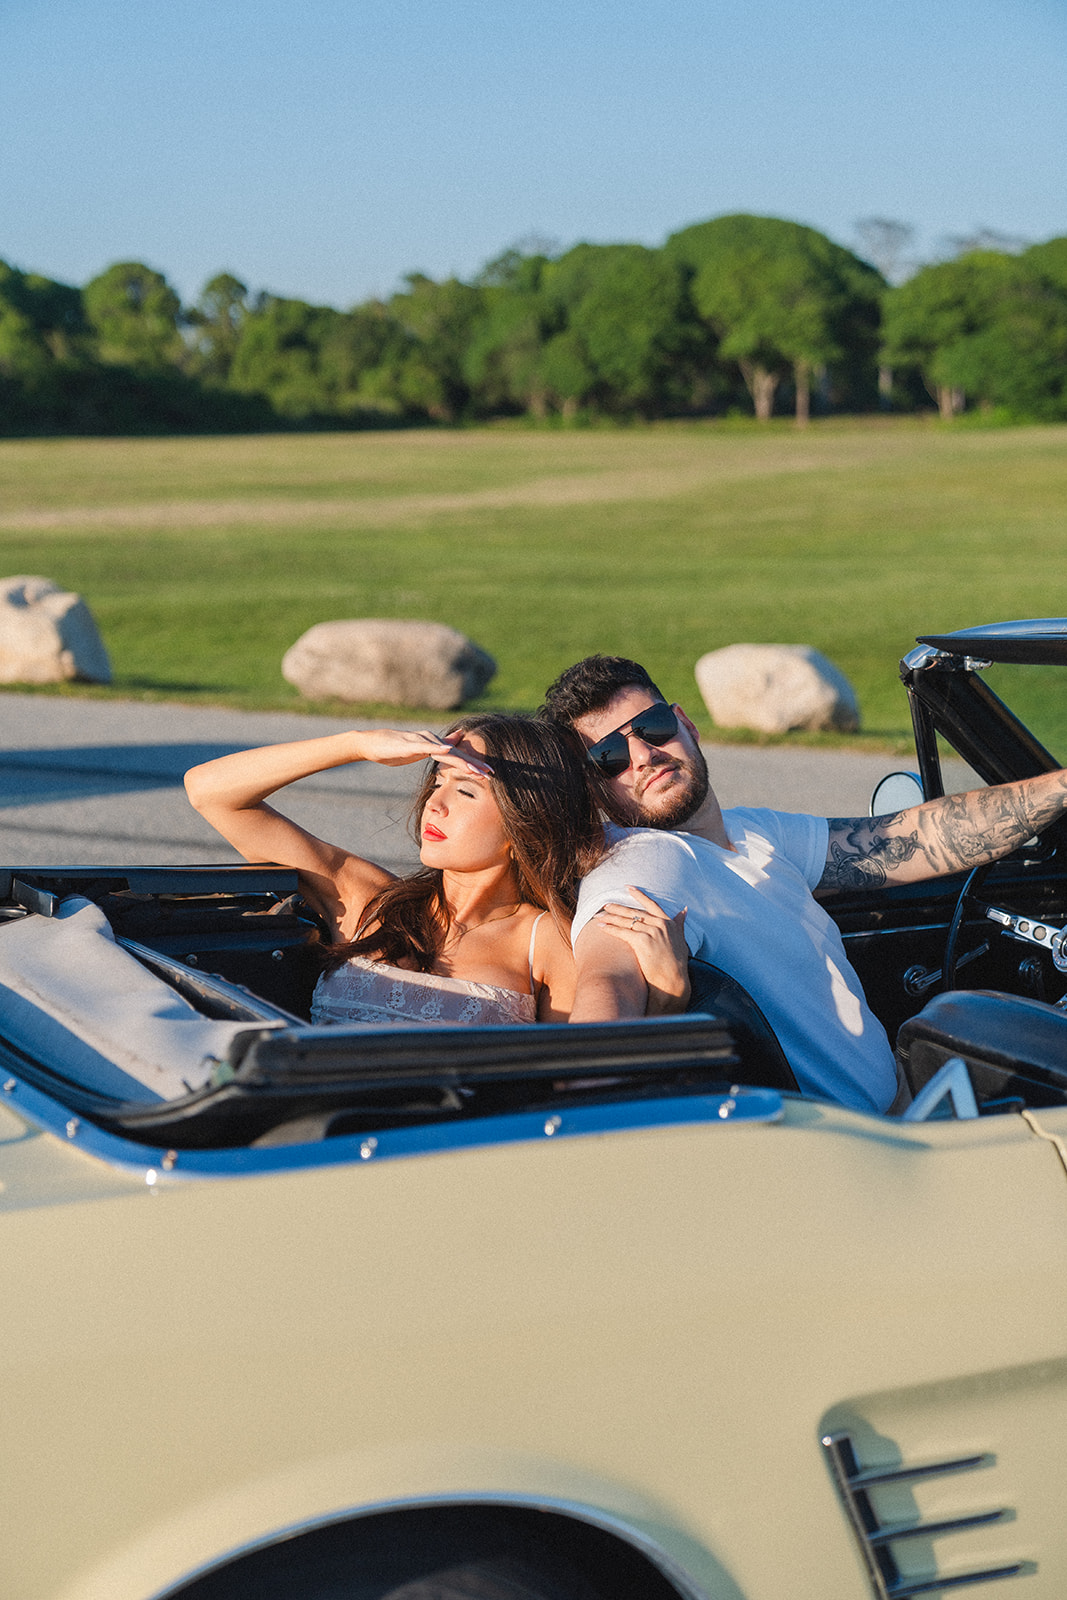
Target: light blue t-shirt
x,y
751,912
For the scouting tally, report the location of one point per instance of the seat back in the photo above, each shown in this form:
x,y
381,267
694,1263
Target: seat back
x,y
763,1060
1015,1048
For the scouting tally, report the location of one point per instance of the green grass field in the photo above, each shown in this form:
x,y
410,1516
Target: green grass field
x,y
204,559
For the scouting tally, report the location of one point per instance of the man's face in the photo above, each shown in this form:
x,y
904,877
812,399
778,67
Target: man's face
x,y
664,785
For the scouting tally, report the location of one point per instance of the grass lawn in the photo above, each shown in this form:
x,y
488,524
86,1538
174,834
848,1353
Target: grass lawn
x,y
204,559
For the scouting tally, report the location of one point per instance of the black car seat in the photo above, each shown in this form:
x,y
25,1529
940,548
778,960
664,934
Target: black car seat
x,y
1015,1048
763,1061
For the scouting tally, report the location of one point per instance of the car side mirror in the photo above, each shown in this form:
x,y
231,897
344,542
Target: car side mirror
x,y
896,792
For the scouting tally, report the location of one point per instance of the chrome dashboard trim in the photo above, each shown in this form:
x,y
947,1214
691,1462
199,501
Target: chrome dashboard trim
x,y
158,1167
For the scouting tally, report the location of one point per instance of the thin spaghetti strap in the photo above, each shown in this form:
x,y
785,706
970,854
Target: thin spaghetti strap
x,y
529,958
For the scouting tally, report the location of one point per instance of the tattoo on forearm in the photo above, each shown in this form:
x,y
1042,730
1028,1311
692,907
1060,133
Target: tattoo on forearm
x,y
946,835
863,854
967,830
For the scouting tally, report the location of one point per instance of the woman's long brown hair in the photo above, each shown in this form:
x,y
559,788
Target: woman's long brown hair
x,y
540,788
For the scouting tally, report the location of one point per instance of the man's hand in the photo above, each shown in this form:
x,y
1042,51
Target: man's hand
x,y
951,834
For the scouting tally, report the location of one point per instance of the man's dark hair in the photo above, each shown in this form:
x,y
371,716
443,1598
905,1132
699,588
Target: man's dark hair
x,y
590,685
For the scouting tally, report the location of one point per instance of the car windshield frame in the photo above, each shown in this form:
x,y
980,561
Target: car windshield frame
x,y
949,697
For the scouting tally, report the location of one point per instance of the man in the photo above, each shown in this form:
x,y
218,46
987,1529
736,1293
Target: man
x,y
745,877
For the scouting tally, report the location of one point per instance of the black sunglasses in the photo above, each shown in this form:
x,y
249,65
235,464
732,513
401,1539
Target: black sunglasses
x,y
611,755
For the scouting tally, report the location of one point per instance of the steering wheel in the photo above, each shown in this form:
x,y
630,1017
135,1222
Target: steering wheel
x,y
972,883
1026,929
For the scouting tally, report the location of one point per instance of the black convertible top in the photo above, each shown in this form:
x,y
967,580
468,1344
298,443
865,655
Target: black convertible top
x,y
1040,641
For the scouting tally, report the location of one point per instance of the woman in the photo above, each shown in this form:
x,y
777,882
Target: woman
x,y
506,828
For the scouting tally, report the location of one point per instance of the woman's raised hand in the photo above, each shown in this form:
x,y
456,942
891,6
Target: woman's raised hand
x,y
398,747
658,942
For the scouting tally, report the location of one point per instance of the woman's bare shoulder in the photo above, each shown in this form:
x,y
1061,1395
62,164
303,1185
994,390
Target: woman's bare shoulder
x,y
552,940
553,970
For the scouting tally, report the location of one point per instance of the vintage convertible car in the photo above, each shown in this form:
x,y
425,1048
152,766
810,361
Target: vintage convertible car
x,y
482,1314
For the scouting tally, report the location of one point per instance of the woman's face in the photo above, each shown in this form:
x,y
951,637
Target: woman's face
x,y
461,828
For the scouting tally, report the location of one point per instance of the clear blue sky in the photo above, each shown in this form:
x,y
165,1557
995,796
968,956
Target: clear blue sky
x,y
323,149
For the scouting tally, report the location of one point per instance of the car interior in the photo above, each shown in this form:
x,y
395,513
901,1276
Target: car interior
x,y
171,1004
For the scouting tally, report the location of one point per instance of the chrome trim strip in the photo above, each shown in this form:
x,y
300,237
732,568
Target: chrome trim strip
x,y
687,1587
929,1530
865,1480
158,1166
875,1538
901,1591
842,1463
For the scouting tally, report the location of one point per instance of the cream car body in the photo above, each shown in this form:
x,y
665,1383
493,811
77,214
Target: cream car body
x,y
701,1336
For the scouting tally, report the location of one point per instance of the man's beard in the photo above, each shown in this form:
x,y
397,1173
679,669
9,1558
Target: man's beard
x,y
682,801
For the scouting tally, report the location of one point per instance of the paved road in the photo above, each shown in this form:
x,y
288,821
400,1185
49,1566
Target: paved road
x,y
99,782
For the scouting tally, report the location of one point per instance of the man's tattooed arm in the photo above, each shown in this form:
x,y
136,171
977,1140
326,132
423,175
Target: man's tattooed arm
x,y
951,834
866,852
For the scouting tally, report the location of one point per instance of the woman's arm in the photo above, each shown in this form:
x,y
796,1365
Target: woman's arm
x,y
553,972
231,794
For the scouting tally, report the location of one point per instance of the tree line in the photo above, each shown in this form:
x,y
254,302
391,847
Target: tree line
x,y
737,314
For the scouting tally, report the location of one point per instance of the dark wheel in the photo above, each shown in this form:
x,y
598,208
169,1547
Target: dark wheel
x,y
490,1580
451,1553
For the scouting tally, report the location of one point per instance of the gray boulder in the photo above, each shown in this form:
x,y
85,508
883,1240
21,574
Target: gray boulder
x,y
774,688
47,635
397,663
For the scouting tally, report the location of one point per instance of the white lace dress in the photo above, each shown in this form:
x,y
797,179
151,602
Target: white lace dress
x,y
368,991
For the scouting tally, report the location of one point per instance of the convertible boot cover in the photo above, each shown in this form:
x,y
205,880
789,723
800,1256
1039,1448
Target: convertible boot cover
x,y
77,1003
